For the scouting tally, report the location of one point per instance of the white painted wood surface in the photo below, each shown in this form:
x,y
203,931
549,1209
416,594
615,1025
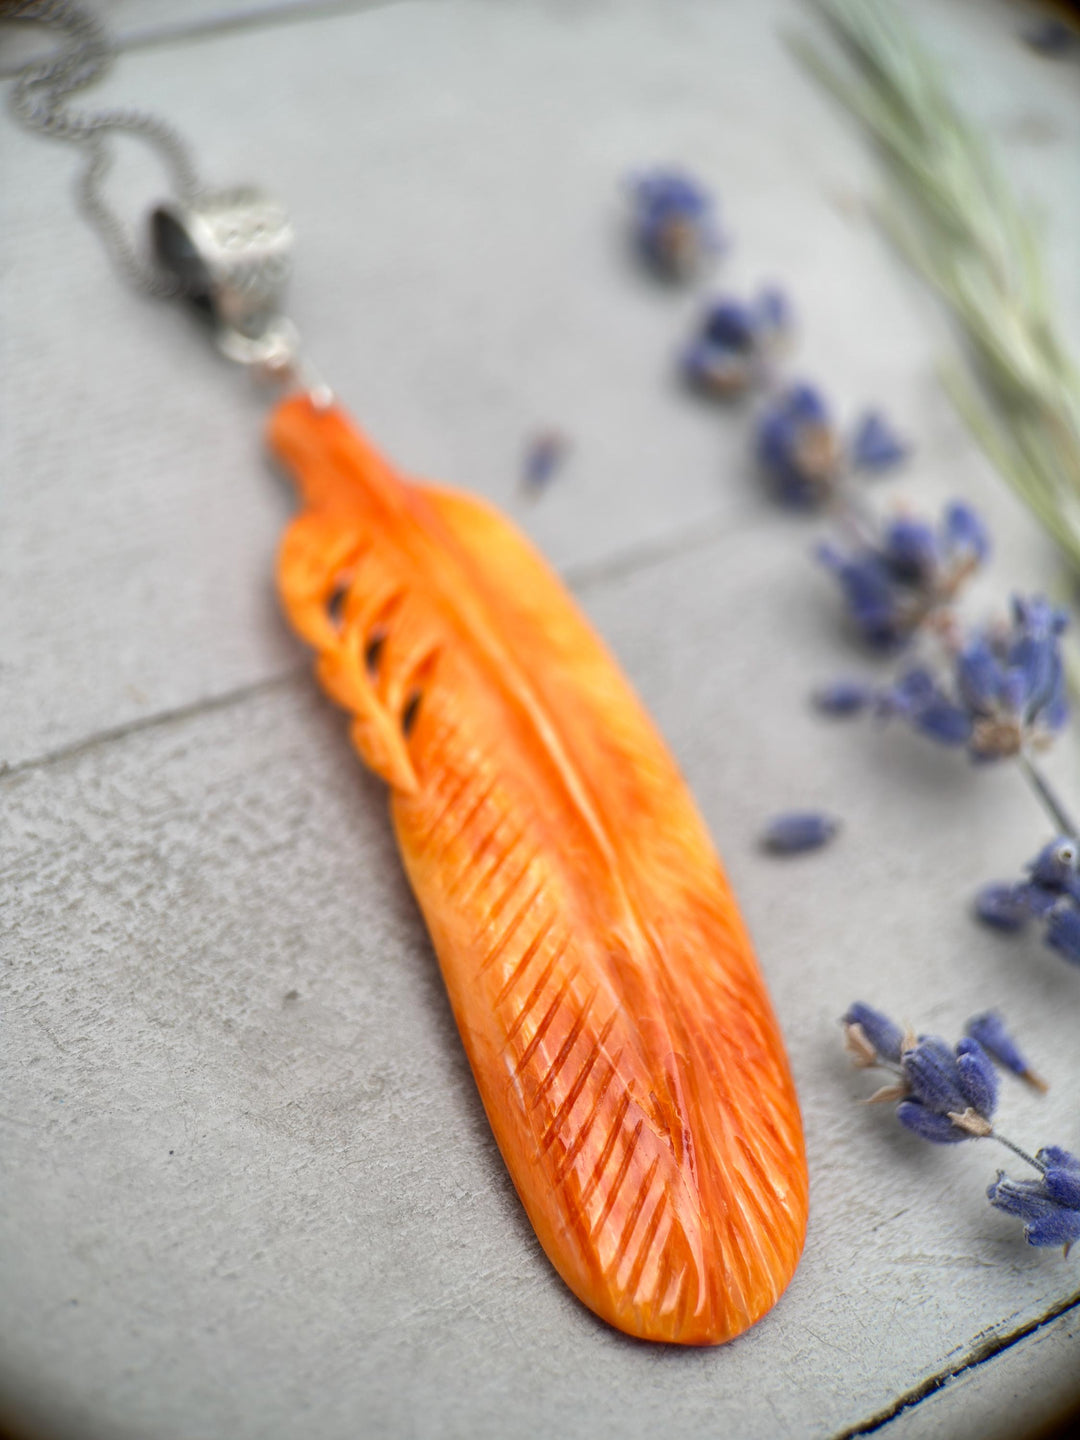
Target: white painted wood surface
x,y
248,1189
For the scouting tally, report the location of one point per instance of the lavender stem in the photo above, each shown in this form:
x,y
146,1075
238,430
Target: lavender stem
x,y
853,514
1029,1159
1045,793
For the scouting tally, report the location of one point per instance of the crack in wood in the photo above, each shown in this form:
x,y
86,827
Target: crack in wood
x,y
980,1354
580,577
177,715
226,22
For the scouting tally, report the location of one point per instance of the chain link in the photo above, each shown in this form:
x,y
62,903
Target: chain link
x,y
37,101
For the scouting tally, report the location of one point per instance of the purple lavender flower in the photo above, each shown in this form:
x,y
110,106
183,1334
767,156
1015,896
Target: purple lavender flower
x,y
990,1030
544,453
943,1095
1049,1206
674,223
875,446
953,1092
1002,907
1064,1182
798,448
1012,681
885,1037
797,831
965,531
844,697
948,1095
735,342
1007,691
908,574
1063,932
1051,894
918,698
1057,867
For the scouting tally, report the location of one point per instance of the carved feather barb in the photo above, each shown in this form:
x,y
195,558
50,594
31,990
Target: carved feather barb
x,y
605,988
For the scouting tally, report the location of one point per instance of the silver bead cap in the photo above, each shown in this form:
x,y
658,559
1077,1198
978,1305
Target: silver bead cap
x,y
230,251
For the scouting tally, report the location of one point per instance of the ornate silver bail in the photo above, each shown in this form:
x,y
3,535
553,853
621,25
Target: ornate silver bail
x,y
231,252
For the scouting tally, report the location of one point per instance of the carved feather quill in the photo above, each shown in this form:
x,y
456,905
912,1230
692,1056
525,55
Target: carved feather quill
x,y
605,988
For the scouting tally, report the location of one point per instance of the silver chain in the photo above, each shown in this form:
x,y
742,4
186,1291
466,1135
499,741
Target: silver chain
x,y
230,248
37,100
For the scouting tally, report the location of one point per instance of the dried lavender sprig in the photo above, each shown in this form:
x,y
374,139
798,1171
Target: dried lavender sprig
x,y
944,1095
1003,695
947,1096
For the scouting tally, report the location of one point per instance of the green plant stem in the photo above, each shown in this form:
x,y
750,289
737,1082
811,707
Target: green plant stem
x,y
952,214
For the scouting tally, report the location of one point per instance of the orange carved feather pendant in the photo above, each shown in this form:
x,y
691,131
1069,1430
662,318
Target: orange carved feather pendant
x,y
617,1025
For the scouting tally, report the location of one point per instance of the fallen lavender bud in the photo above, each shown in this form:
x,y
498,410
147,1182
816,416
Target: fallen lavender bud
x,y
544,454
797,831
990,1031
844,697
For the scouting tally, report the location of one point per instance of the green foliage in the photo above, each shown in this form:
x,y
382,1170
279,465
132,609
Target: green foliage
x,y
953,214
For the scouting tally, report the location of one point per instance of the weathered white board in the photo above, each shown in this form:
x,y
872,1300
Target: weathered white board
x,y
246,1186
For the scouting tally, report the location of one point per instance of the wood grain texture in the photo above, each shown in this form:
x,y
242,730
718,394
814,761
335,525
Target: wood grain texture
x,y
452,308
334,1235
207,946
602,980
